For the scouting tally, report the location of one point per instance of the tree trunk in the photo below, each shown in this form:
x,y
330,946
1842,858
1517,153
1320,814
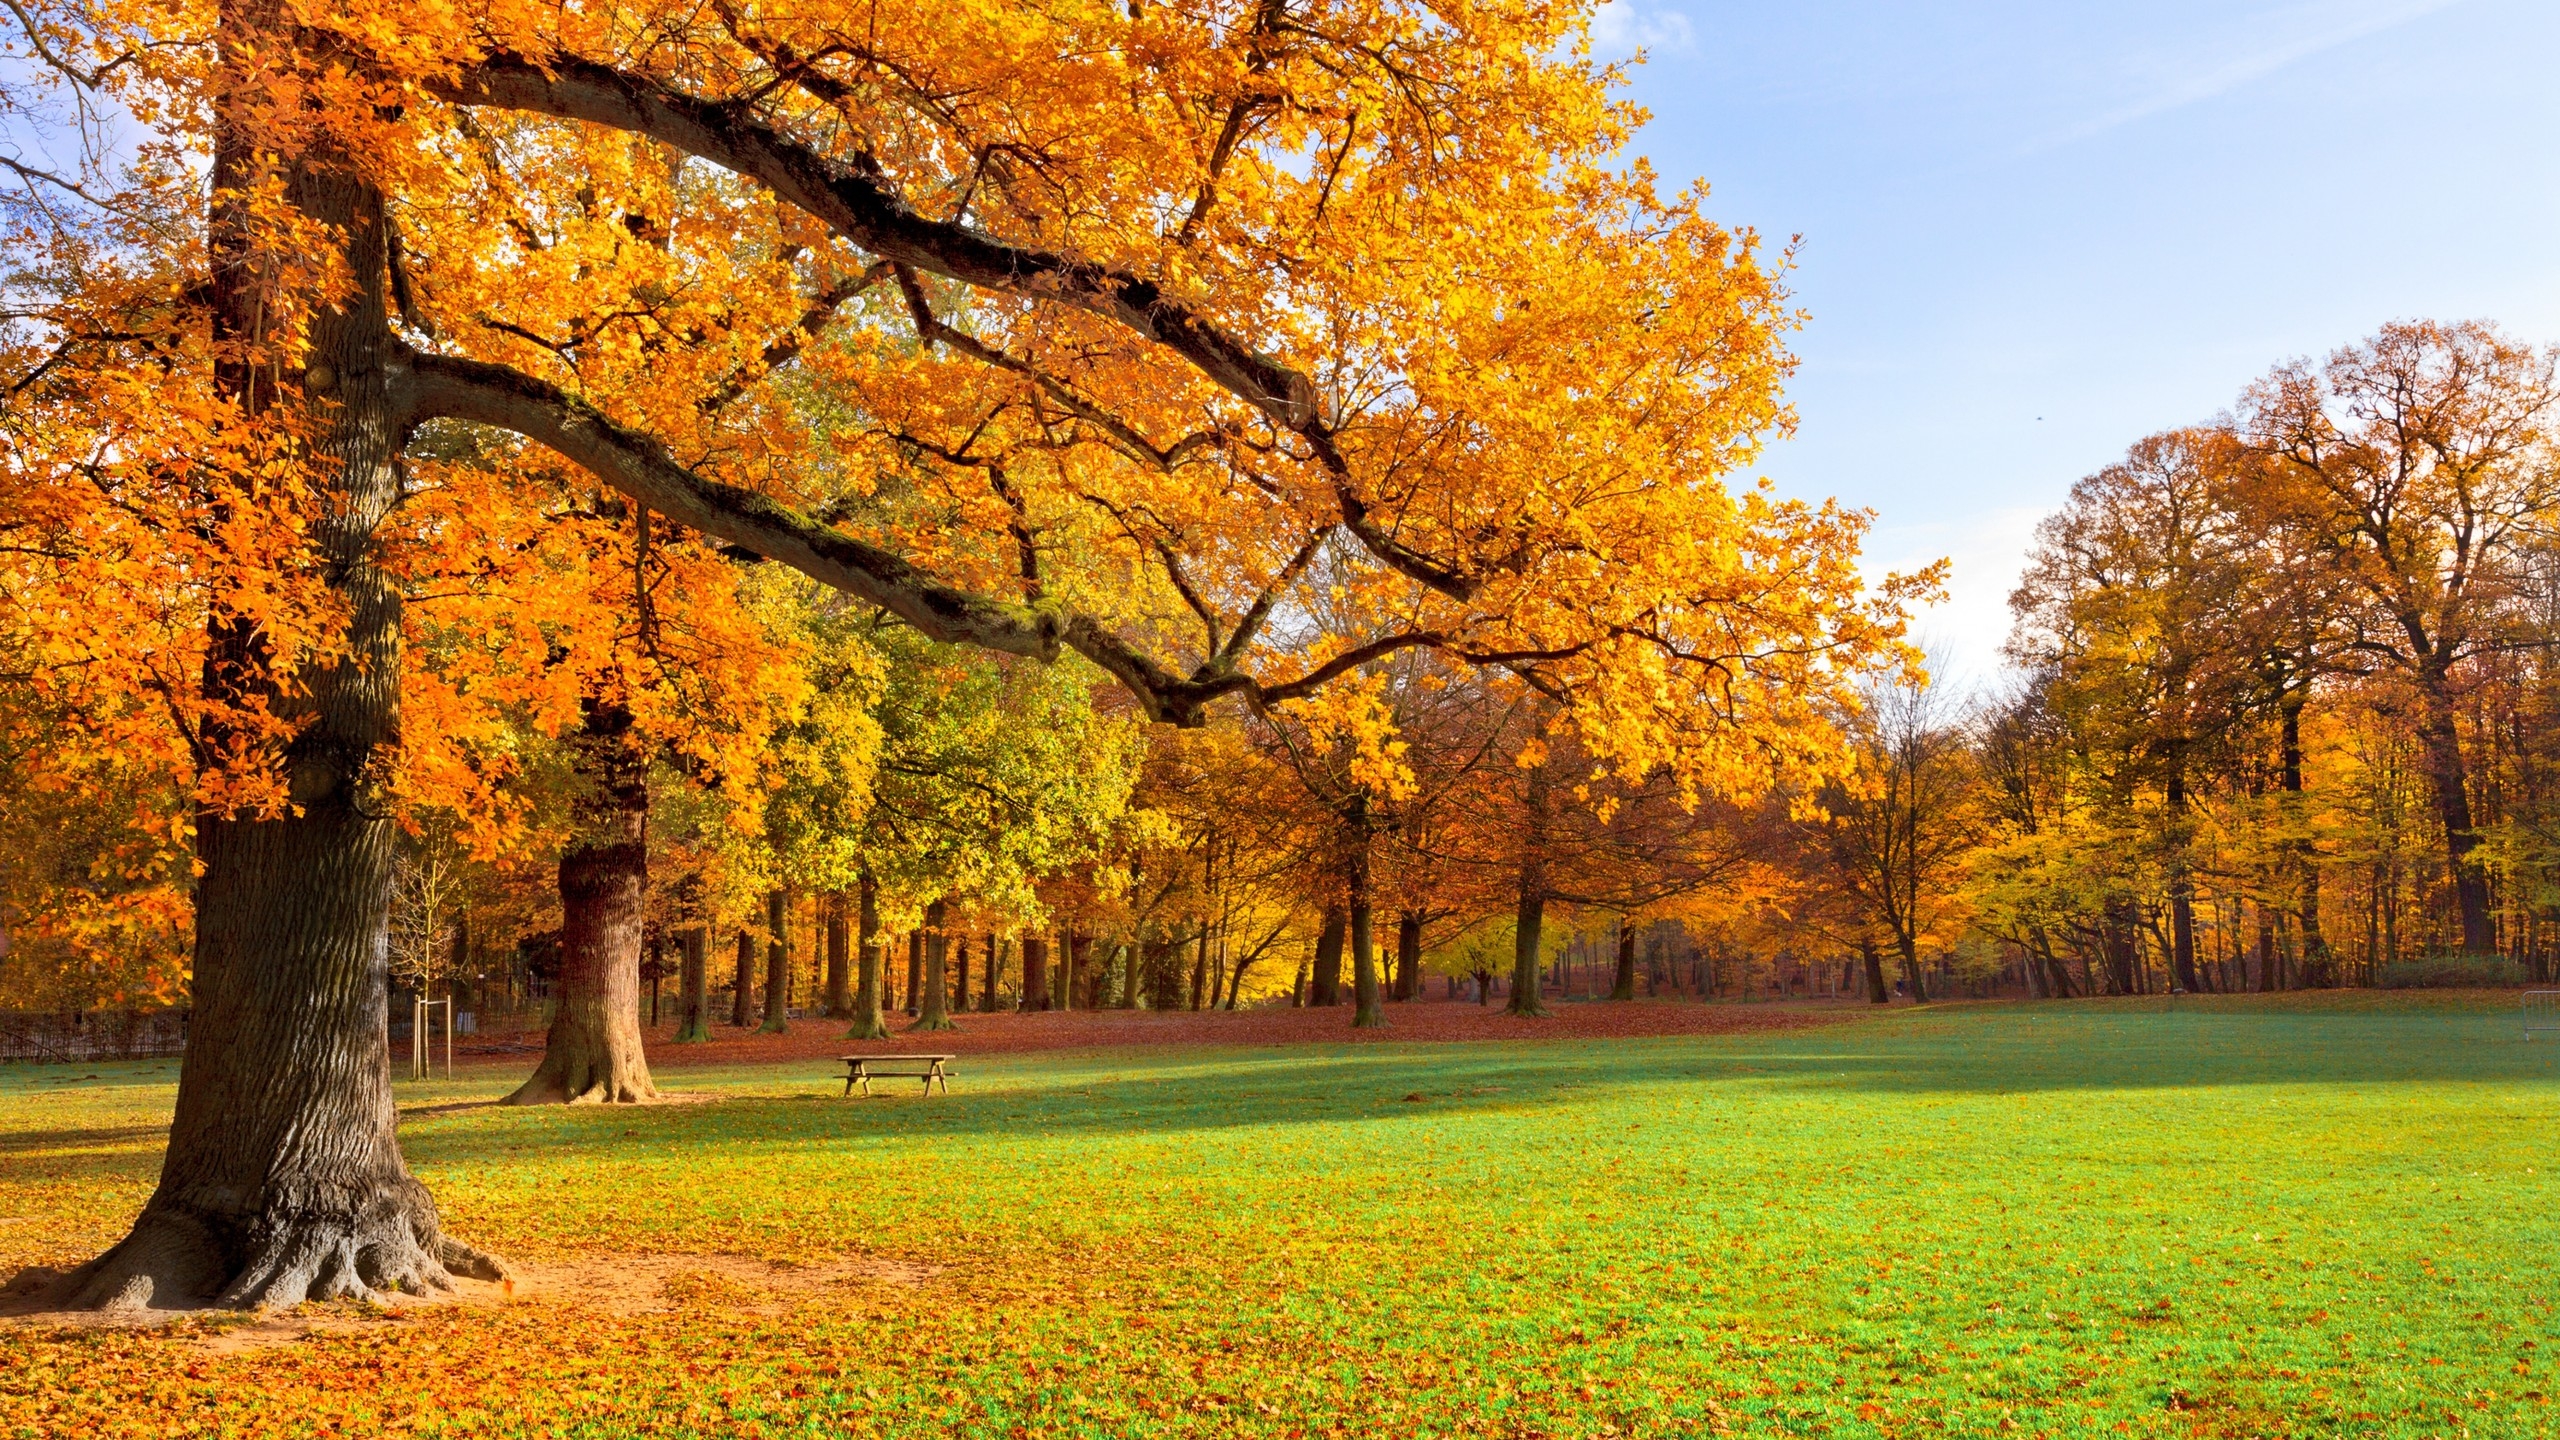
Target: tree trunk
x,y
1909,945
2449,778
777,964
1035,972
1325,981
839,960
283,1178
912,997
1200,967
1367,1013
593,1052
693,998
1071,969
1877,994
1623,985
2318,968
1408,955
936,1014
960,962
871,962
1528,938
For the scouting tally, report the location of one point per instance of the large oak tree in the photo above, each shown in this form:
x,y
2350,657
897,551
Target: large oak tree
x,y
1245,280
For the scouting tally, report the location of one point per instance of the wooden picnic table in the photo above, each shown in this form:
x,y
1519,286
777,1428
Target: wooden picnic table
x,y
859,1070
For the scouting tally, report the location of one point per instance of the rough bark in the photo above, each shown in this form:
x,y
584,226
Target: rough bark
x,y
283,1179
936,1014
693,999
870,1022
1877,993
1326,984
839,961
593,1052
777,964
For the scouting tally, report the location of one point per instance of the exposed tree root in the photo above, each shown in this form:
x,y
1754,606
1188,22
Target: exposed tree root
x,y
178,1258
580,1075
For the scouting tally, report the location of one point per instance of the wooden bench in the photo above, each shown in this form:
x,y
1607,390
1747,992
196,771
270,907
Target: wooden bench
x,y
859,1070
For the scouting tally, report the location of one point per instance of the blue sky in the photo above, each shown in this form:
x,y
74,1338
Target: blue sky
x,y
2033,232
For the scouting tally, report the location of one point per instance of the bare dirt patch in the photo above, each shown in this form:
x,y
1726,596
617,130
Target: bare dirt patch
x,y
1431,1021
618,1284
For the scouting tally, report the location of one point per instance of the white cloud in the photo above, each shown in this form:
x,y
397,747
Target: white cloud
x,y
1619,28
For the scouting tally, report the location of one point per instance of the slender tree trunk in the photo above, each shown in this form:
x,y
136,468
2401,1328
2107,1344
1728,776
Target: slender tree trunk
x,y
1909,945
839,960
912,998
1071,967
995,972
936,1014
1622,986
2268,980
1200,966
2318,969
1367,1013
777,964
1877,994
2182,891
1409,955
283,1178
871,958
1325,987
1528,938
693,998
593,1052
742,996
960,963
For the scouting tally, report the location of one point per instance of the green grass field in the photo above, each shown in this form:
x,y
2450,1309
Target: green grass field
x,y
2330,1216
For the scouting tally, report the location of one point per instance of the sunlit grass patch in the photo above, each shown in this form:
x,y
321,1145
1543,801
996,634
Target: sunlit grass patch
x,y
2228,1218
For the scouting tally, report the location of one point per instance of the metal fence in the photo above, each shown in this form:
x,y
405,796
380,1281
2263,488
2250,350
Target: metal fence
x,y
95,1035
2541,1012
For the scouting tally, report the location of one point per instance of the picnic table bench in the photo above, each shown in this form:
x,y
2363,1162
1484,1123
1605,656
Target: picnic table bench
x,y
859,1070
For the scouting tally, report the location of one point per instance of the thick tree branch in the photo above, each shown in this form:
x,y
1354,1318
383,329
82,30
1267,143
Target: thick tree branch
x,y
644,469
868,214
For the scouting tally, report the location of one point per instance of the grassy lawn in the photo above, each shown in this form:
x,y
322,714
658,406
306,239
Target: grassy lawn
x,y
2330,1216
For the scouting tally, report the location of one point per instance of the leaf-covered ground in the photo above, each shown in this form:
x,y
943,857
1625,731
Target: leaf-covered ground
x,y
2235,1218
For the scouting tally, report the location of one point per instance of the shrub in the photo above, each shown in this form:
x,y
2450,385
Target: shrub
x,y
2447,972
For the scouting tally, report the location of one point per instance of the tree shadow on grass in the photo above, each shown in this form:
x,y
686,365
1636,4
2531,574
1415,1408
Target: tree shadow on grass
x,y
1952,1051
1949,1052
